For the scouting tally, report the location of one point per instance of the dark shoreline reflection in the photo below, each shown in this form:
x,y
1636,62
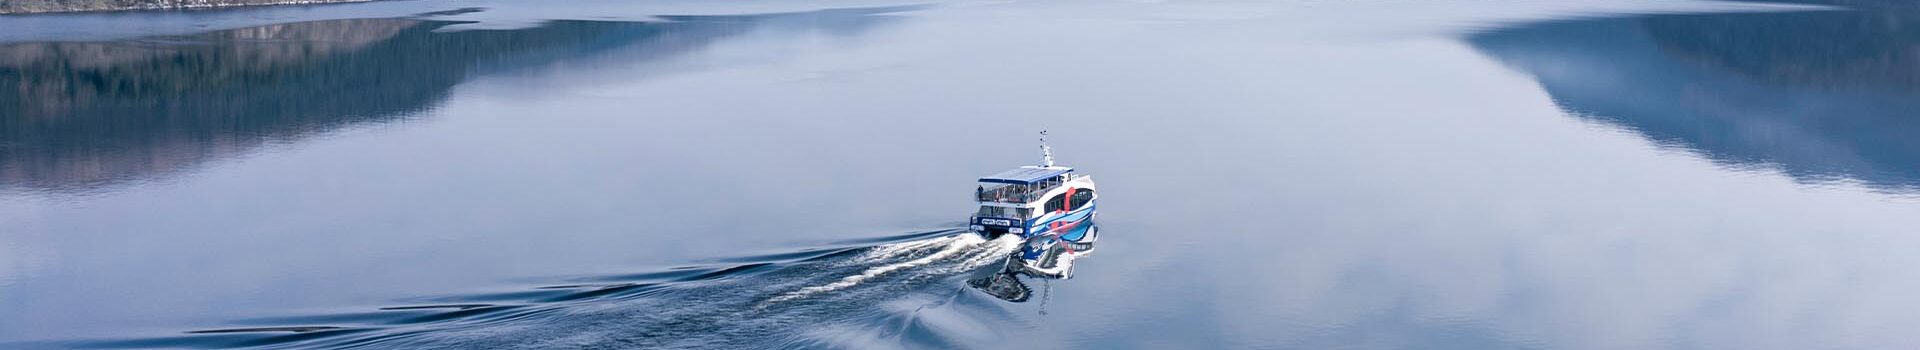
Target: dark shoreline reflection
x,y
78,116
1820,95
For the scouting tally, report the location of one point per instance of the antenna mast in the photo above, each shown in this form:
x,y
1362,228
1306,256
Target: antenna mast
x,y
1046,152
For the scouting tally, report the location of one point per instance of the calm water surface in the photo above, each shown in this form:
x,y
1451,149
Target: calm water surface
x,y
597,174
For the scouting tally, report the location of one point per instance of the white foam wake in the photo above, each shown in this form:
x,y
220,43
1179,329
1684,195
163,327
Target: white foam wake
x,y
953,245
996,251
897,249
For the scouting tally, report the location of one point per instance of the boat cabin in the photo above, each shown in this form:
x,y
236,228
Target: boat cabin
x,y
1011,200
1022,185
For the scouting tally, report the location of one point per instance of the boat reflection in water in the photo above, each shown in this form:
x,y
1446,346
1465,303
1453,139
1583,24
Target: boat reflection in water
x,y
1005,282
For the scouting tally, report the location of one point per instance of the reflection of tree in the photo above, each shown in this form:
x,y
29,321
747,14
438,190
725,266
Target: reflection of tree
x,y
1858,4
1824,49
1818,95
76,115
31,6
72,80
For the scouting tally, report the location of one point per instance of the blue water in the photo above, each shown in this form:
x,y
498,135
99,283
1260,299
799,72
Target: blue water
x,y
753,174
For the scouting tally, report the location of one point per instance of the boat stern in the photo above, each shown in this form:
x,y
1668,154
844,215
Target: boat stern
x,y
992,227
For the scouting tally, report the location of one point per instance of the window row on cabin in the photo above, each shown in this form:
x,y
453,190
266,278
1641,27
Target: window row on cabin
x,y
1059,201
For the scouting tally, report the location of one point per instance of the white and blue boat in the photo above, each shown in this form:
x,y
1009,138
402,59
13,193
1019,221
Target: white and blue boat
x,y
1052,208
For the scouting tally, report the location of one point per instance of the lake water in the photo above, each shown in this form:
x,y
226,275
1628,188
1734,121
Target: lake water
x,y
1292,174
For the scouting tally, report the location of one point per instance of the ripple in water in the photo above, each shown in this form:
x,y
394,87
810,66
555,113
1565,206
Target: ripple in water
x,y
904,290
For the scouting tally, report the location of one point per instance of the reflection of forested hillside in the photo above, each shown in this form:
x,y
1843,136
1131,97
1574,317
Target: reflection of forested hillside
x,y
1857,4
1831,49
1819,95
78,80
33,6
74,115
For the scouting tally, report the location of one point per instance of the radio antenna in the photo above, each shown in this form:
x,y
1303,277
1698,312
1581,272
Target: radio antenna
x,y
1046,152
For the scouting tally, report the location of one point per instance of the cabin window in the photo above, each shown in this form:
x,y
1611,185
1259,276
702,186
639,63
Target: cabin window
x,y
1004,212
1047,183
1081,197
1001,192
1056,203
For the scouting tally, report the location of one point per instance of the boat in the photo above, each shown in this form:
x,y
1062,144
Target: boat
x,y
1050,207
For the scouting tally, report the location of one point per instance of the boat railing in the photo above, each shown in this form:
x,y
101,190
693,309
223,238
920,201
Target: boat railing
x,y
1021,193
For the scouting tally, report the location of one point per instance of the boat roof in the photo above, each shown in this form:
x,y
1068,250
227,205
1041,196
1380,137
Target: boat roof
x,y
1026,174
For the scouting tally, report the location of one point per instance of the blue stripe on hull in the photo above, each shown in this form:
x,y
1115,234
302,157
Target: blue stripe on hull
x,y
1075,221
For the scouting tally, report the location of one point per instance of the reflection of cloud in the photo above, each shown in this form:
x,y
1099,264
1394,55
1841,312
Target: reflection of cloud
x,y
1536,233
19,260
1450,206
1647,270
